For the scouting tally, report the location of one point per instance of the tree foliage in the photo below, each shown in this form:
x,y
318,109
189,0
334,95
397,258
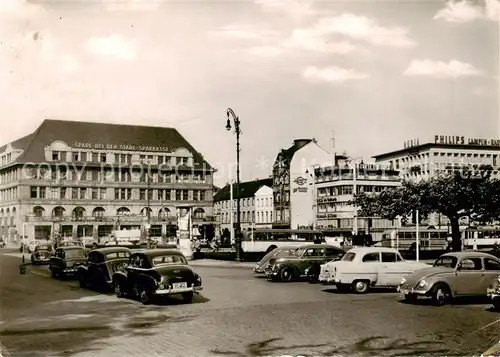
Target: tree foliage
x,y
465,193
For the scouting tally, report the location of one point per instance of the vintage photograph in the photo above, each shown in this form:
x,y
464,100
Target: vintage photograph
x,y
249,178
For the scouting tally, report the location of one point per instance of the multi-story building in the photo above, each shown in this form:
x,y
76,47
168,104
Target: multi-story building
x,y
264,206
442,154
293,198
335,186
86,179
254,204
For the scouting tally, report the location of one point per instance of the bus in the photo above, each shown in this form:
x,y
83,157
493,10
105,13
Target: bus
x,y
264,240
405,238
479,238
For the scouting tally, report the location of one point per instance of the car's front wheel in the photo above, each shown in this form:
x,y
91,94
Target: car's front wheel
x,y
440,294
144,296
82,280
286,274
117,288
360,286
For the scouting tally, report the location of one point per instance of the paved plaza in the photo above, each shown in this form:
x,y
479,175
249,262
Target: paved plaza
x,y
237,315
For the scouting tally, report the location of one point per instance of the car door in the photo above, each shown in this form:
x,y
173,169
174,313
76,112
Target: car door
x,y
370,265
310,257
468,277
491,272
391,269
93,267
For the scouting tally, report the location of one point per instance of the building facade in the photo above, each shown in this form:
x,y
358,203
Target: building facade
x,y
293,194
253,204
264,207
86,179
442,154
335,188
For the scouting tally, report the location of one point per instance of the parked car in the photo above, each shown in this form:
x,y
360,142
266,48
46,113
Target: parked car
x,y
100,267
2,243
42,254
157,272
452,275
66,260
297,264
363,268
70,243
493,292
276,253
493,351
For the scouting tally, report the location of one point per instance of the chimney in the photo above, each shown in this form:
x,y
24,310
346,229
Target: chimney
x,y
299,143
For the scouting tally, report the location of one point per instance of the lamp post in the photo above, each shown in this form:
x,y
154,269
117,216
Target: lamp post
x,y
354,192
230,114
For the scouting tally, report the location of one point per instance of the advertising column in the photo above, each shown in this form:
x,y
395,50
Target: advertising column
x,y
184,231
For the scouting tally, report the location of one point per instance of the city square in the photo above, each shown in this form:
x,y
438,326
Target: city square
x,y
251,178
236,315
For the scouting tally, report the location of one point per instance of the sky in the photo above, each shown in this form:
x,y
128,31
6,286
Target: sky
x,y
372,74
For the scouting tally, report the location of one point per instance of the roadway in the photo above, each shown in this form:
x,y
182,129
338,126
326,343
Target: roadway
x,y
237,315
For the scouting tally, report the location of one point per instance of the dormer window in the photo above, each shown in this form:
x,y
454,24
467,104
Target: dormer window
x,y
76,156
56,156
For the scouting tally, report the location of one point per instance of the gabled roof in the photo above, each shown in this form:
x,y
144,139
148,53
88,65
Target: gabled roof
x,y
101,133
247,189
286,155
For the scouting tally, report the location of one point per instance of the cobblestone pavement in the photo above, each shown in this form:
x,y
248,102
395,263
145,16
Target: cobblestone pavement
x,y
237,315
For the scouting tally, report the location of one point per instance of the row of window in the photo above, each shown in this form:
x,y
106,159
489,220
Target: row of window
x,y
446,157
348,190
6,159
8,194
105,157
247,202
108,175
83,193
247,217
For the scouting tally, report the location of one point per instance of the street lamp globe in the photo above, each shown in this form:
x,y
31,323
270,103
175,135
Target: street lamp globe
x,y
228,125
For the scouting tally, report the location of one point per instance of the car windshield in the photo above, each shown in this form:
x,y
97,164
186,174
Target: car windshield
x,y
74,253
446,262
173,259
348,257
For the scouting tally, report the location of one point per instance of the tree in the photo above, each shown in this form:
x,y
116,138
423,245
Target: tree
x,y
464,193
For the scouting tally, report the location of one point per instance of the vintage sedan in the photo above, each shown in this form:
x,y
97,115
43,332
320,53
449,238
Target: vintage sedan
x,y
493,292
157,272
65,261
452,275
276,253
300,261
363,268
101,265
493,351
42,254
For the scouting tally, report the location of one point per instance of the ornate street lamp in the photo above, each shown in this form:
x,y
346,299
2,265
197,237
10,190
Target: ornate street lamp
x,y
237,131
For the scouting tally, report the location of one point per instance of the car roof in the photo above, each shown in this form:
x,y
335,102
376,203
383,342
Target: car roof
x,y
372,250
71,247
158,252
468,254
307,246
108,250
